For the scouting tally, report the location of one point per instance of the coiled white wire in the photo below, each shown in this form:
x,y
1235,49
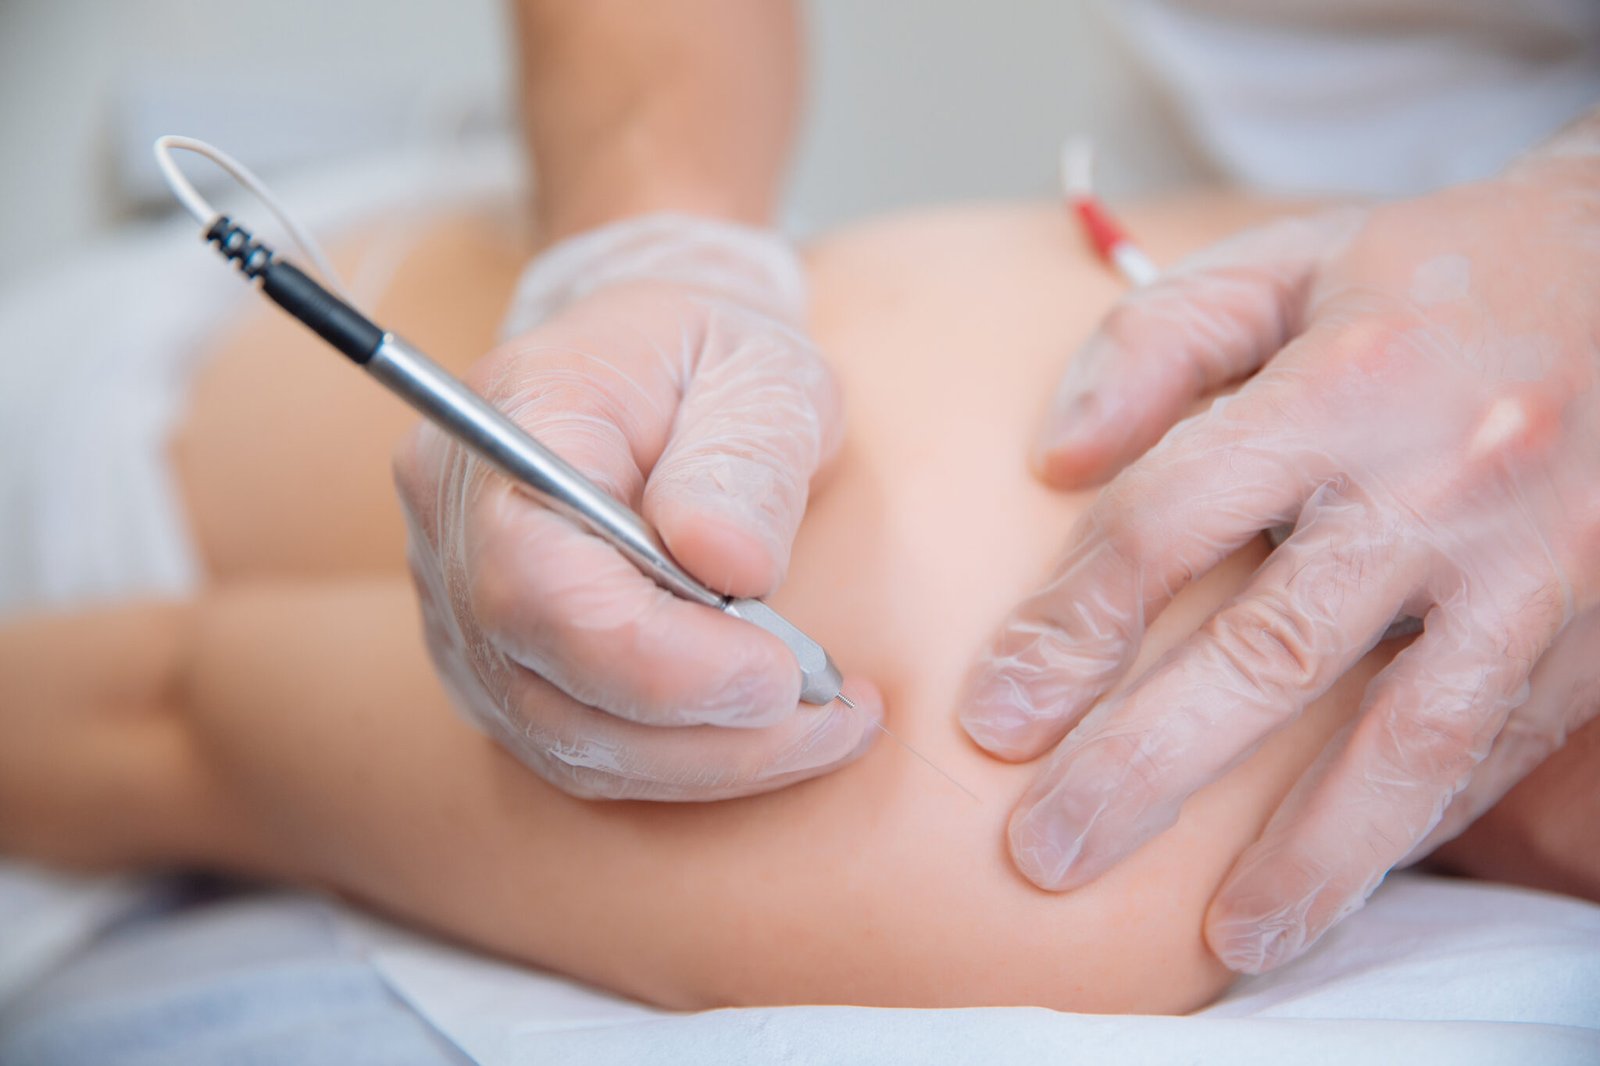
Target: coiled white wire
x,y
202,212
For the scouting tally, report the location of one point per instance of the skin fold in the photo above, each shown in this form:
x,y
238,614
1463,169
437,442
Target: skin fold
x,y
287,722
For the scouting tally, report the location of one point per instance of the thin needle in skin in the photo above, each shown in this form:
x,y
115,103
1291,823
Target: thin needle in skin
x,y
929,762
842,698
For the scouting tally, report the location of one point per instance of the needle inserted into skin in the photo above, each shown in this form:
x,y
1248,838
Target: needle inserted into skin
x,y
842,698
929,762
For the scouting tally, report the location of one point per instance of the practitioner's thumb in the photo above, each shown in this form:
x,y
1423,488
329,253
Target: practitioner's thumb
x,y
760,416
1213,319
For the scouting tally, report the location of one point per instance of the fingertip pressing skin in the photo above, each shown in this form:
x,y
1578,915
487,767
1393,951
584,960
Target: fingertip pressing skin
x,y
1211,319
1255,933
1066,831
1038,856
1074,449
1052,825
1041,676
1283,892
1001,720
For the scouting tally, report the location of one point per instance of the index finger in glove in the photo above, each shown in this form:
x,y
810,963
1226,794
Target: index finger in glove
x,y
1318,603
1213,319
1214,483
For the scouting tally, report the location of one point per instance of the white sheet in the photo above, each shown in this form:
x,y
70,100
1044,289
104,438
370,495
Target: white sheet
x,y
1432,970
96,358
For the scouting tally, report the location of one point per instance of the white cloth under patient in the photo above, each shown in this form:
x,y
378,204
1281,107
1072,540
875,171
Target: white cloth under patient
x,y
96,362
1433,970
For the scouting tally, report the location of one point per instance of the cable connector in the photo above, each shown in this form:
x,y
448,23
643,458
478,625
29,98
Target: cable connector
x,y
238,245
209,218
296,292
1110,241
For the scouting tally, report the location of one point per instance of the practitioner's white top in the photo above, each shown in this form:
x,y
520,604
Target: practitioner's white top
x,y
1373,96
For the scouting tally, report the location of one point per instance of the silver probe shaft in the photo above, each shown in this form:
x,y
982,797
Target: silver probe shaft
x,y
470,419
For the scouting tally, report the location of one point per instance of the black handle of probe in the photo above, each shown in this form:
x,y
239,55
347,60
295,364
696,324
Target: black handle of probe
x,y
324,313
297,293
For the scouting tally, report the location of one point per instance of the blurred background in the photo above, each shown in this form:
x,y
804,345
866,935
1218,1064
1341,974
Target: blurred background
x,y
912,101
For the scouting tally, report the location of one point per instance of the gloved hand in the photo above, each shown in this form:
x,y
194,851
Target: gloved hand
x,y
664,357
1425,407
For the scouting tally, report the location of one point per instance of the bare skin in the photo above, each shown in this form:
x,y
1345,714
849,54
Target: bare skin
x,y
288,723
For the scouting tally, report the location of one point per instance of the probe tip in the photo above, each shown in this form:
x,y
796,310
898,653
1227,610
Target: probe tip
x,y
842,698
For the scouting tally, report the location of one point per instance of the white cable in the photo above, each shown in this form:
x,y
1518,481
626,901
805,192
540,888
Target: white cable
x,y
1077,167
203,213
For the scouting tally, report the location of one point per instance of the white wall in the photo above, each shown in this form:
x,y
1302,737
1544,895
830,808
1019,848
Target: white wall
x,y
77,77
913,100
916,101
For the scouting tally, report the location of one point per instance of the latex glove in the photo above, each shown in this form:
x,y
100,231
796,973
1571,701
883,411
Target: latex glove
x,y
1425,406
663,356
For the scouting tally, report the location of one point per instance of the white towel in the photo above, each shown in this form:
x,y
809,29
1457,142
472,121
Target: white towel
x,y
96,360
1432,970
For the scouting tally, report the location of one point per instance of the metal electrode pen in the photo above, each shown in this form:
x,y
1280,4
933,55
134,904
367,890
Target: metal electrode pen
x,y
442,399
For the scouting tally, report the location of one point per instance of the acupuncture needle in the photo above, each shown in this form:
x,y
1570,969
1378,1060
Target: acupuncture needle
x,y
842,698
